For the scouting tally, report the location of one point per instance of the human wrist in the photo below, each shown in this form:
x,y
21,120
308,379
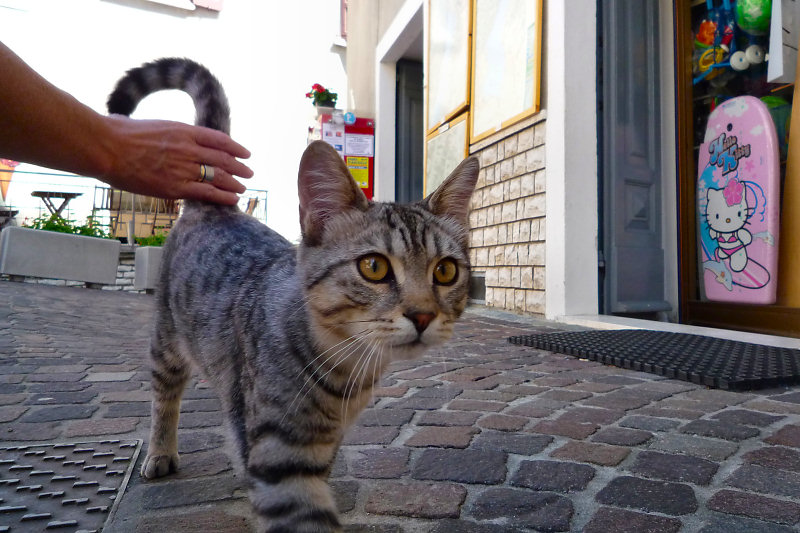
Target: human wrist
x,y
103,155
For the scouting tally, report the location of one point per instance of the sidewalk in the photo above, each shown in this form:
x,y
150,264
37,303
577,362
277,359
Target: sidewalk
x,y
479,437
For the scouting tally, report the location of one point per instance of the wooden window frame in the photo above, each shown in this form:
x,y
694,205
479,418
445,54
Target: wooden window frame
x,y
537,76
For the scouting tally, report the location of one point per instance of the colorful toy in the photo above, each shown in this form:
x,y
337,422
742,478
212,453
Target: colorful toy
x,y
713,41
737,199
753,55
753,16
705,33
716,39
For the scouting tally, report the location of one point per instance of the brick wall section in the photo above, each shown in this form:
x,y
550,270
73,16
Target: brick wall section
x,y
507,221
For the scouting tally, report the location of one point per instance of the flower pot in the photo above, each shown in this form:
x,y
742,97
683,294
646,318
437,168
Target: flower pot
x,y
324,110
47,254
147,267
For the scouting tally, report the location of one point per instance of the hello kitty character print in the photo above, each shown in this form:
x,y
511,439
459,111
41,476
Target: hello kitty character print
x,y
727,214
738,186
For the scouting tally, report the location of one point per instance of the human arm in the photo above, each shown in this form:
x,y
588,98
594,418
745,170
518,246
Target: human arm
x,y
43,125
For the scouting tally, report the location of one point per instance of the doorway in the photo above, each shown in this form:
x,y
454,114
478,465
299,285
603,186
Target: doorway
x,y
409,139
631,267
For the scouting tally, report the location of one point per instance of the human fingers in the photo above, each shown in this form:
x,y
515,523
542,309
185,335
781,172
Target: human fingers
x,y
225,162
220,141
220,179
207,192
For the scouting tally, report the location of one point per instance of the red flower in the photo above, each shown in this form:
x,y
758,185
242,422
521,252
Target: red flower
x,y
322,96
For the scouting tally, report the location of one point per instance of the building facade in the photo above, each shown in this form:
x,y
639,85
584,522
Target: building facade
x,y
585,208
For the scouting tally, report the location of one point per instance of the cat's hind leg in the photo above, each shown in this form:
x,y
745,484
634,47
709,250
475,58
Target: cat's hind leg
x,y
169,376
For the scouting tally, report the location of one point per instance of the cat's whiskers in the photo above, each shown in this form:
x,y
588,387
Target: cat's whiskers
x,y
355,341
376,374
350,338
351,345
351,380
301,304
377,345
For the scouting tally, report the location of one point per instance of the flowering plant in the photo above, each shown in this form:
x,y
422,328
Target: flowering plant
x,y
9,163
322,96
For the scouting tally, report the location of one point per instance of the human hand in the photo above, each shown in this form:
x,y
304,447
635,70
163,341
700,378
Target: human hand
x,y
163,158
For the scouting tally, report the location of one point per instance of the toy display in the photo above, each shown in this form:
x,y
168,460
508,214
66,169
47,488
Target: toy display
x,y
738,192
752,16
730,40
713,41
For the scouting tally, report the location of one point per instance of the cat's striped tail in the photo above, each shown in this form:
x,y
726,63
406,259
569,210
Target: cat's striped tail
x,y
209,98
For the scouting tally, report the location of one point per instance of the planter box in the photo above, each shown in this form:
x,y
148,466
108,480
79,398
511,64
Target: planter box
x,y
147,266
47,254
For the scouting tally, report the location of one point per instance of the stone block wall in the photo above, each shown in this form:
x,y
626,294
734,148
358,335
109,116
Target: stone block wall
x,y
125,274
507,220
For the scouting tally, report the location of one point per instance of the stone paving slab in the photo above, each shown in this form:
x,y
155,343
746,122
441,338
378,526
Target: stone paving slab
x,y
480,436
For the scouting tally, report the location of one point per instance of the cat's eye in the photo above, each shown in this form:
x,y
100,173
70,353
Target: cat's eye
x,y
445,272
374,267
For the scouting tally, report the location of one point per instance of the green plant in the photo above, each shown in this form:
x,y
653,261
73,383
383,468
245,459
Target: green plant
x,y
152,240
92,228
322,96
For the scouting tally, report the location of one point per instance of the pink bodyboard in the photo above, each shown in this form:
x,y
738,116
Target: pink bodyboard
x,y
738,196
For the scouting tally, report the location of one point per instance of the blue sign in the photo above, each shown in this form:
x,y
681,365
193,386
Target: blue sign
x,y
349,118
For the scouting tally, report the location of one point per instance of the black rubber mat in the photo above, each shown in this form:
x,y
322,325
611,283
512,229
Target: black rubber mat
x,y
709,361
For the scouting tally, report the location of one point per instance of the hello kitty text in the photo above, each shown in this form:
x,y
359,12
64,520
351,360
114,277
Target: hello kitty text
x,y
726,152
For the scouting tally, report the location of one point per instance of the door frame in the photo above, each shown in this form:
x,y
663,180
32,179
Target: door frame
x,y
572,277
667,193
406,28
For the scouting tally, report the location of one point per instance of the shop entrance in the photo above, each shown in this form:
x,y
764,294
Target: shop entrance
x,y
632,273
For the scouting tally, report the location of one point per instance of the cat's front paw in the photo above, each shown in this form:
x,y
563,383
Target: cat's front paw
x,y
159,465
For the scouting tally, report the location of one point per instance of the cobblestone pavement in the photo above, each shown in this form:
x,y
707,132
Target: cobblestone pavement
x,y
480,437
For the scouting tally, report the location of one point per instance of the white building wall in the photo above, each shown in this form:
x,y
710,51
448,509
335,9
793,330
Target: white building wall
x,y
571,155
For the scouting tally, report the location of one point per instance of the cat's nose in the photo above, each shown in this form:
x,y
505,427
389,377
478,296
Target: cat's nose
x,y
420,319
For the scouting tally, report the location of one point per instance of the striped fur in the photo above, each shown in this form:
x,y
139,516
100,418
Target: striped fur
x,y
294,339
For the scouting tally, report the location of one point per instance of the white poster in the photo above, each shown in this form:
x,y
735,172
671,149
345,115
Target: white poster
x,y
359,144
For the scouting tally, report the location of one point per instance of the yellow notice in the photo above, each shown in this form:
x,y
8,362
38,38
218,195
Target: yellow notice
x,y
359,168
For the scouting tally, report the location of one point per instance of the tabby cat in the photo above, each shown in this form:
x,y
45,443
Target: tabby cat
x,y
294,338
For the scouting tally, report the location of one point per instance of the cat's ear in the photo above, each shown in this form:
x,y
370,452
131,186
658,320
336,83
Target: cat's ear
x,y
453,195
325,188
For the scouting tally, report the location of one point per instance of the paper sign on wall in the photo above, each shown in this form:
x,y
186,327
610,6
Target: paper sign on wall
x,y
359,144
333,134
359,169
